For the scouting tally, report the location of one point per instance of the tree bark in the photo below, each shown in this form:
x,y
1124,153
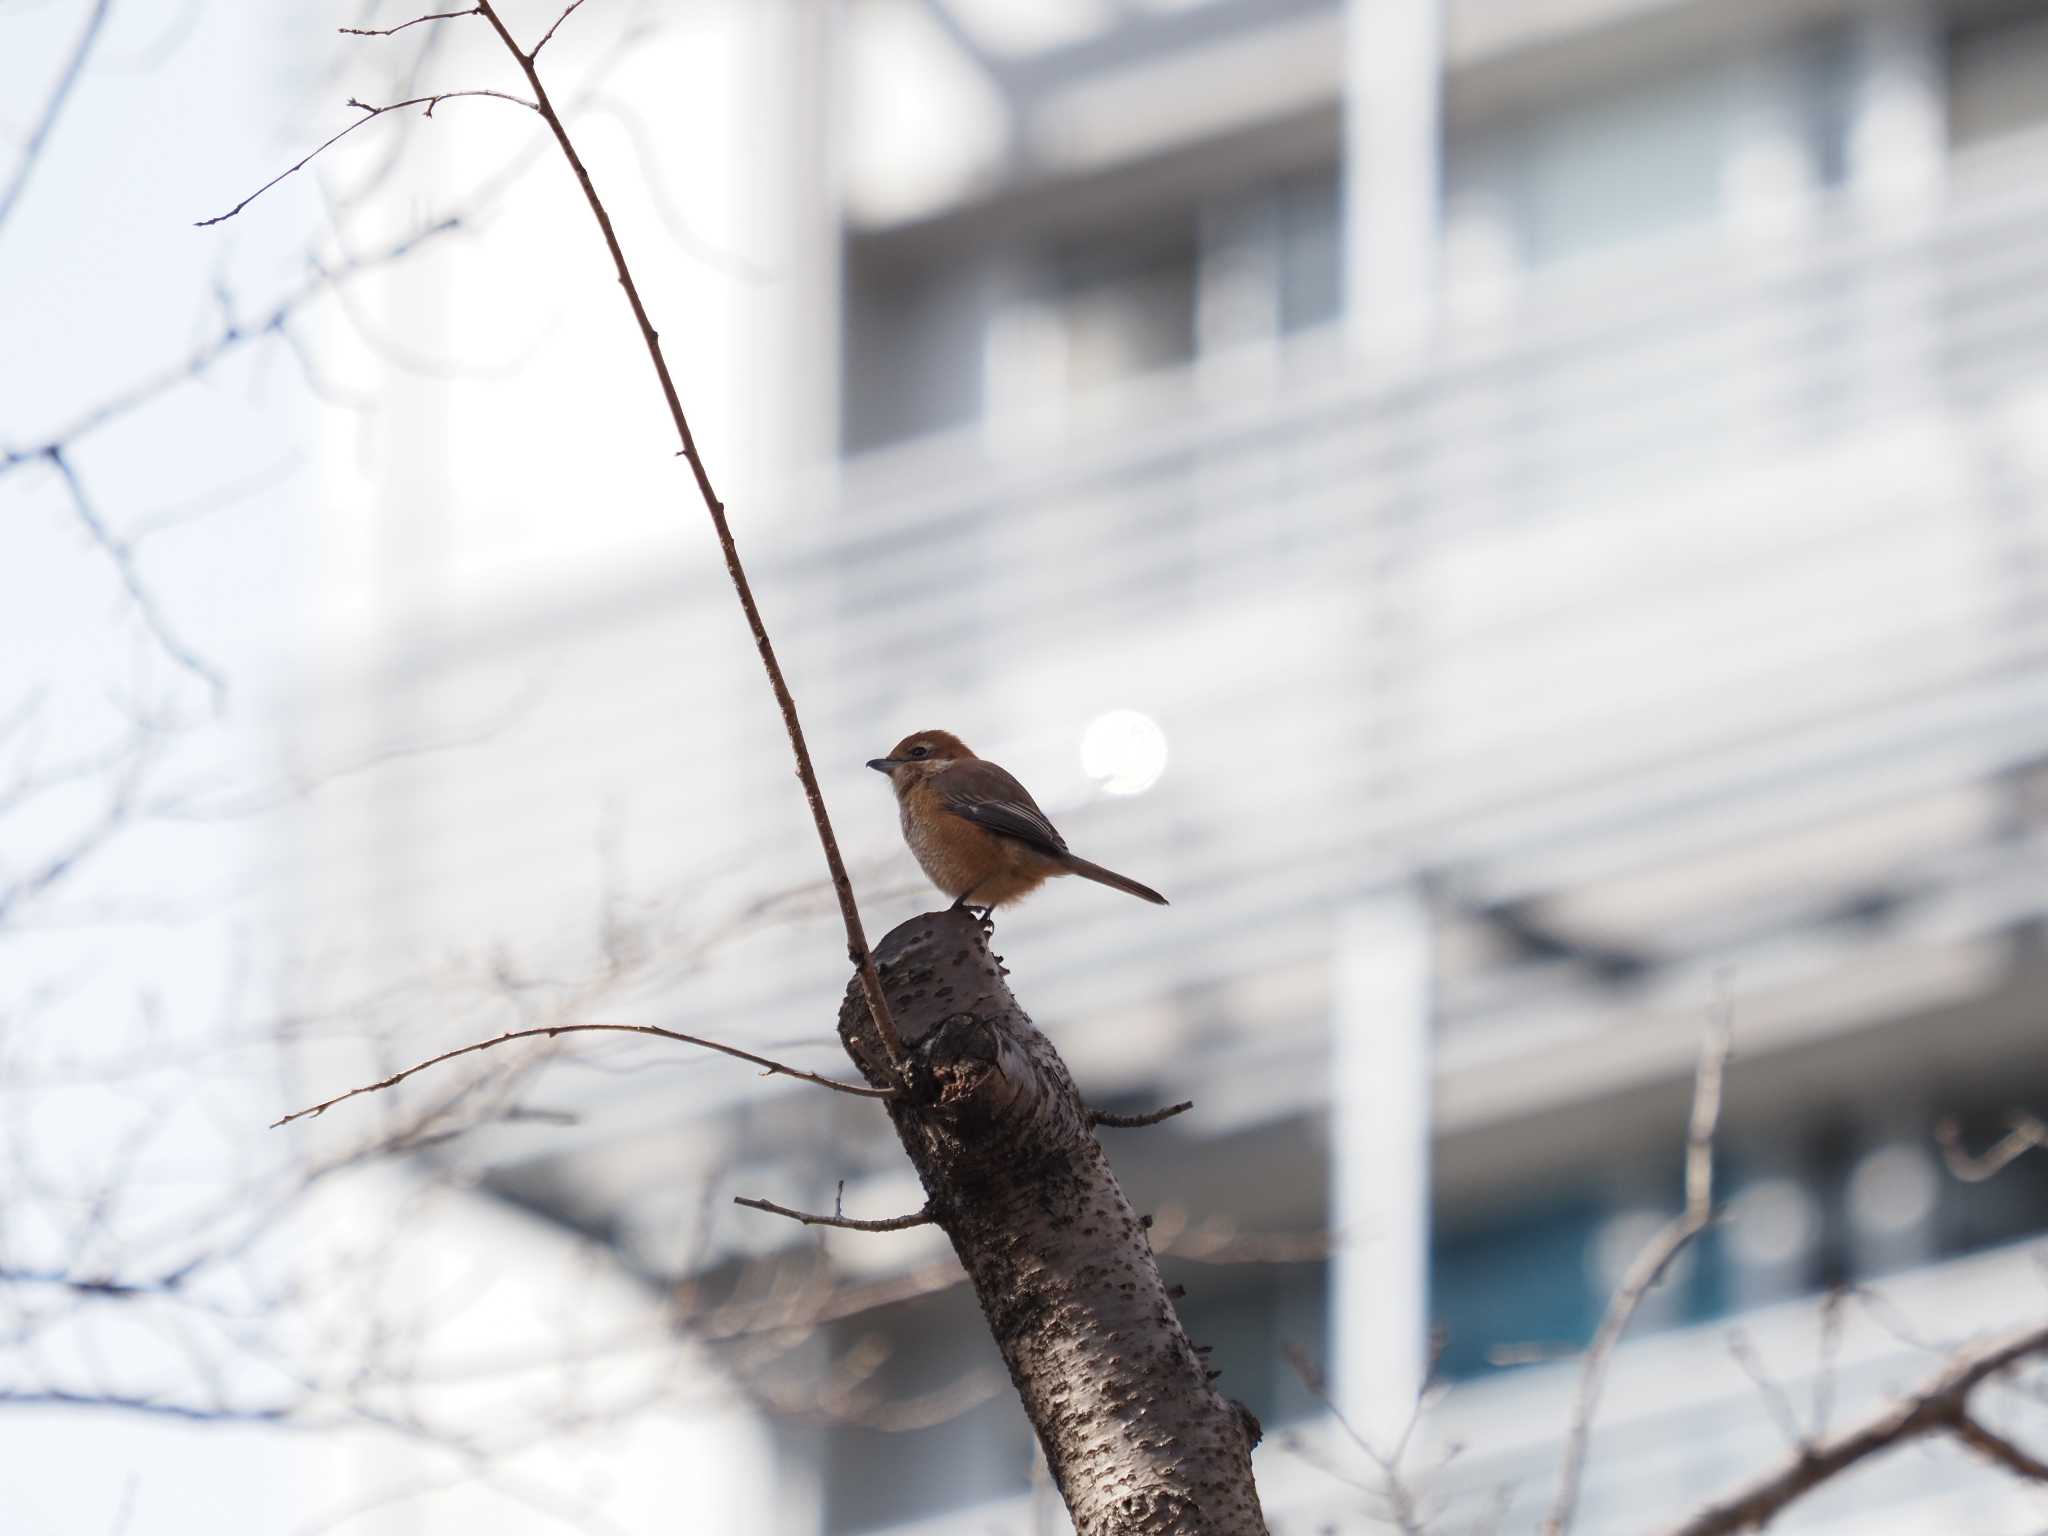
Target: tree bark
x,y
1139,1442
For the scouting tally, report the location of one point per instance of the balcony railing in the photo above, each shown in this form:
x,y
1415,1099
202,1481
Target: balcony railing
x,y
1699,552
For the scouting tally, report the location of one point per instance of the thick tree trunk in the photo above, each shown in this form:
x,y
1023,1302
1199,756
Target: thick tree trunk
x,y
1138,1440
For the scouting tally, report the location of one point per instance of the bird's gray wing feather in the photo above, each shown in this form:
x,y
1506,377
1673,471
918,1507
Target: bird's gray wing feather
x,y
989,797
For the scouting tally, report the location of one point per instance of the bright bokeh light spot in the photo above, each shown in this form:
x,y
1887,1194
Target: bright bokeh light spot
x,y
1893,1190
1123,751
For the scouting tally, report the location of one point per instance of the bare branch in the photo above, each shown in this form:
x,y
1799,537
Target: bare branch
x,y
231,338
369,112
548,36
919,1218
1939,1407
856,940
1403,1511
32,151
123,557
1995,1447
2028,1134
770,1068
1651,1264
1780,1406
416,21
147,1406
1137,1122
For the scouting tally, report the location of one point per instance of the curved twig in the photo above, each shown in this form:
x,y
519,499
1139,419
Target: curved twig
x,y
1137,1122
368,111
416,21
1649,1265
548,36
2028,1134
919,1218
770,1067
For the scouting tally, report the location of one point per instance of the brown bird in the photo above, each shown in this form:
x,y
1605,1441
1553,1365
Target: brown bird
x,y
976,831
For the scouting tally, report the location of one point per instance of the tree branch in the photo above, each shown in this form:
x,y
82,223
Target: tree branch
x,y
1995,1447
1649,1265
232,337
122,555
842,886
32,151
918,1218
369,112
548,36
416,21
1941,1406
770,1068
2028,1134
1138,1122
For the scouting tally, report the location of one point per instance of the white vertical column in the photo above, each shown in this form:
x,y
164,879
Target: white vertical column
x,y
1392,171
1380,1118
794,210
1898,140
1898,131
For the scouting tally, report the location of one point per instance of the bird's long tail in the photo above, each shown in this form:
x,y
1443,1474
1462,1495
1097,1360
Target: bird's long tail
x,y
1111,878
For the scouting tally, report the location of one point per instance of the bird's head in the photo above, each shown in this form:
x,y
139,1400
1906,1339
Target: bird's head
x,y
919,755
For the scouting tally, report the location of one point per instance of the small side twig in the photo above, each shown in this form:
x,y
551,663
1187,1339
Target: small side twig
x,y
548,36
1136,1122
369,112
1403,1510
1651,1264
122,554
32,150
1993,1446
416,21
918,1218
1780,1406
769,1067
1831,1311
2029,1133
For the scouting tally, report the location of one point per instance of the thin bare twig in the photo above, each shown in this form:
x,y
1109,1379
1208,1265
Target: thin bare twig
x,y
856,940
770,1068
2029,1133
416,21
920,1218
369,112
232,336
1780,1406
1831,1311
1136,1122
1940,1407
1403,1511
548,36
122,555
1651,1264
32,151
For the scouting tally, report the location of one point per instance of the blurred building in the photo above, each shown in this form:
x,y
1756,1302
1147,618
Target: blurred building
x,y
1521,516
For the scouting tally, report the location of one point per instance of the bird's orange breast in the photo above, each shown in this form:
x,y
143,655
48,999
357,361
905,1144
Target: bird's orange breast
x,y
963,859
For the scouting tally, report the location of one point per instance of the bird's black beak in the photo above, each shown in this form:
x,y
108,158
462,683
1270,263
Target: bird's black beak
x,y
881,764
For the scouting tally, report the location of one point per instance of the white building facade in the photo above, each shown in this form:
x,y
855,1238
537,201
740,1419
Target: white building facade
x,y
1521,518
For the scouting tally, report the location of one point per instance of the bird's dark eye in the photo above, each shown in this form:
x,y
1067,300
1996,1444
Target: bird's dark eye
x,y
920,751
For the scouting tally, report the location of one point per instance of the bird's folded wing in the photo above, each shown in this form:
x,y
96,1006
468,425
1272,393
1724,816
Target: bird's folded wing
x,y
988,796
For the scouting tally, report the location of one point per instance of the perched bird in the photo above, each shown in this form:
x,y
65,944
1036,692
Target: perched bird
x,y
976,831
